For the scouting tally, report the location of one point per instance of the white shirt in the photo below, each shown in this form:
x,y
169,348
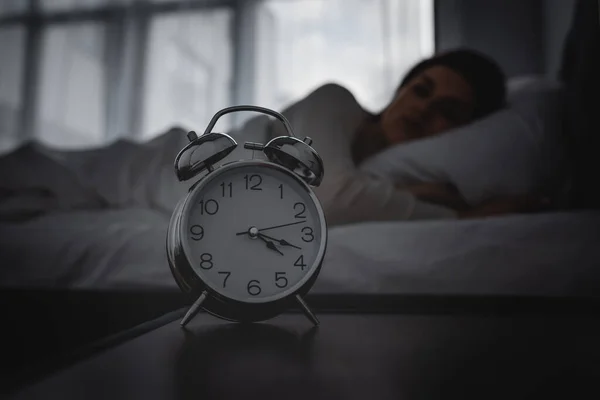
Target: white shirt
x,y
330,115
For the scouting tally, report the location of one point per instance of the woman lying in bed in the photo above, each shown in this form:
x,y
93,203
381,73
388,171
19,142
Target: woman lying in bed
x,y
438,94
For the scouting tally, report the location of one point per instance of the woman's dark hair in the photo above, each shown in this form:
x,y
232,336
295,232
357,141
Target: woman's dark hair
x,y
481,72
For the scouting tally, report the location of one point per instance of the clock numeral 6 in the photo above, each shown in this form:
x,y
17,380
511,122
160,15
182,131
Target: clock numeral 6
x,y
300,262
280,280
253,288
197,232
308,234
300,213
210,207
206,261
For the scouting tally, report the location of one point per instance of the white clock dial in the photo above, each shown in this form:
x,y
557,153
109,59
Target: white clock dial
x,y
253,232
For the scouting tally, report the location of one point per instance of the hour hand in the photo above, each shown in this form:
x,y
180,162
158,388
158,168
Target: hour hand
x,y
282,242
270,245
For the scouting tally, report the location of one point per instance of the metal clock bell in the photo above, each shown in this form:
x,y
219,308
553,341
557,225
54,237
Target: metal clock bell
x,y
248,239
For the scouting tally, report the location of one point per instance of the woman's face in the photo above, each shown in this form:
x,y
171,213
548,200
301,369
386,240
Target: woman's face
x,y
434,101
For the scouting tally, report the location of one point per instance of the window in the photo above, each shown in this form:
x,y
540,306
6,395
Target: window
x,y
71,95
12,7
12,41
105,69
188,71
365,45
69,5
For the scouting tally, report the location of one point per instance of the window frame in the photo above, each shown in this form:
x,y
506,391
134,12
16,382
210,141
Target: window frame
x,y
127,34
127,29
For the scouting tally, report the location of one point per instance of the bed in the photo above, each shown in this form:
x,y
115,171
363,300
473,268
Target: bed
x,y
547,254
83,232
96,219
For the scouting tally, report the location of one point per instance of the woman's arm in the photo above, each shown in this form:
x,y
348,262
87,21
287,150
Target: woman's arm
x,y
521,204
357,197
447,195
443,194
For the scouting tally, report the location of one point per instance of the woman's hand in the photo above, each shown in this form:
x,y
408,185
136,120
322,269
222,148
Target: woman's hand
x,y
507,205
443,194
447,195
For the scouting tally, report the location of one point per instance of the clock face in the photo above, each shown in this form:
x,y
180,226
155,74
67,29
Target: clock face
x,y
253,232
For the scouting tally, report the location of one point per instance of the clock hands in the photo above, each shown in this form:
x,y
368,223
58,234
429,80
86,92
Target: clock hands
x,y
254,233
282,242
271,227
270,245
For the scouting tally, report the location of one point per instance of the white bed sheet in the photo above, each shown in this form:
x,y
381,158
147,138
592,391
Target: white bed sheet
x,y
545,254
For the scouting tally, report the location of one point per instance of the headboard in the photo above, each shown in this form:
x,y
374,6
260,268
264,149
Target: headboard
x,y
580,71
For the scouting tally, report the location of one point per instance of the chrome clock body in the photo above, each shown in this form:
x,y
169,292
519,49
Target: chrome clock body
x,y
248,240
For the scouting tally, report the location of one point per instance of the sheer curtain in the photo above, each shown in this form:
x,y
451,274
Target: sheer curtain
x,y
12,46
71,108
188,71
365,45
11,7
134,68
66,5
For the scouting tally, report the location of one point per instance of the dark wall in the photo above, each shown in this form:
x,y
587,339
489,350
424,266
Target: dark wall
x,y
508,30
558,15
524,36
448,24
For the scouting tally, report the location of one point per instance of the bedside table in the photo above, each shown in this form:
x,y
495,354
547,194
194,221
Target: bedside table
x,y
349,356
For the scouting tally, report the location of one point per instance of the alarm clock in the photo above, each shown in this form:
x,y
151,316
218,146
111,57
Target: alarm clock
x,y
248,240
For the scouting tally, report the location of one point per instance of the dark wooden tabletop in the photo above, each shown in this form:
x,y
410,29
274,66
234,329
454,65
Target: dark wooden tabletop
x,y
349,356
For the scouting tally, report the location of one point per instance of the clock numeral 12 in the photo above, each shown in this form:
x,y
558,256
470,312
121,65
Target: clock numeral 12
x,y
251,178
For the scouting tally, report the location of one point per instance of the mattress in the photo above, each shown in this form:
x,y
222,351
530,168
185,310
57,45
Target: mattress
x,y
553,254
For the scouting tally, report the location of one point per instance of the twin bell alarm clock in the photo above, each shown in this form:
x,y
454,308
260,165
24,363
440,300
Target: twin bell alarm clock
x,y
248,239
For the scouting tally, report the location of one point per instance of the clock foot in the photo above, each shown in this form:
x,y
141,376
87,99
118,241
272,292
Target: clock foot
x,y
193,309
306,310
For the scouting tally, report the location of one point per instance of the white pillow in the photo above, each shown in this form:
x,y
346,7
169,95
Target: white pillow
x,y
513,151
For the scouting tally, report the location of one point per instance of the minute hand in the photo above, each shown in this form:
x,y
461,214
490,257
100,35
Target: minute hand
x,y
281,226
272,227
